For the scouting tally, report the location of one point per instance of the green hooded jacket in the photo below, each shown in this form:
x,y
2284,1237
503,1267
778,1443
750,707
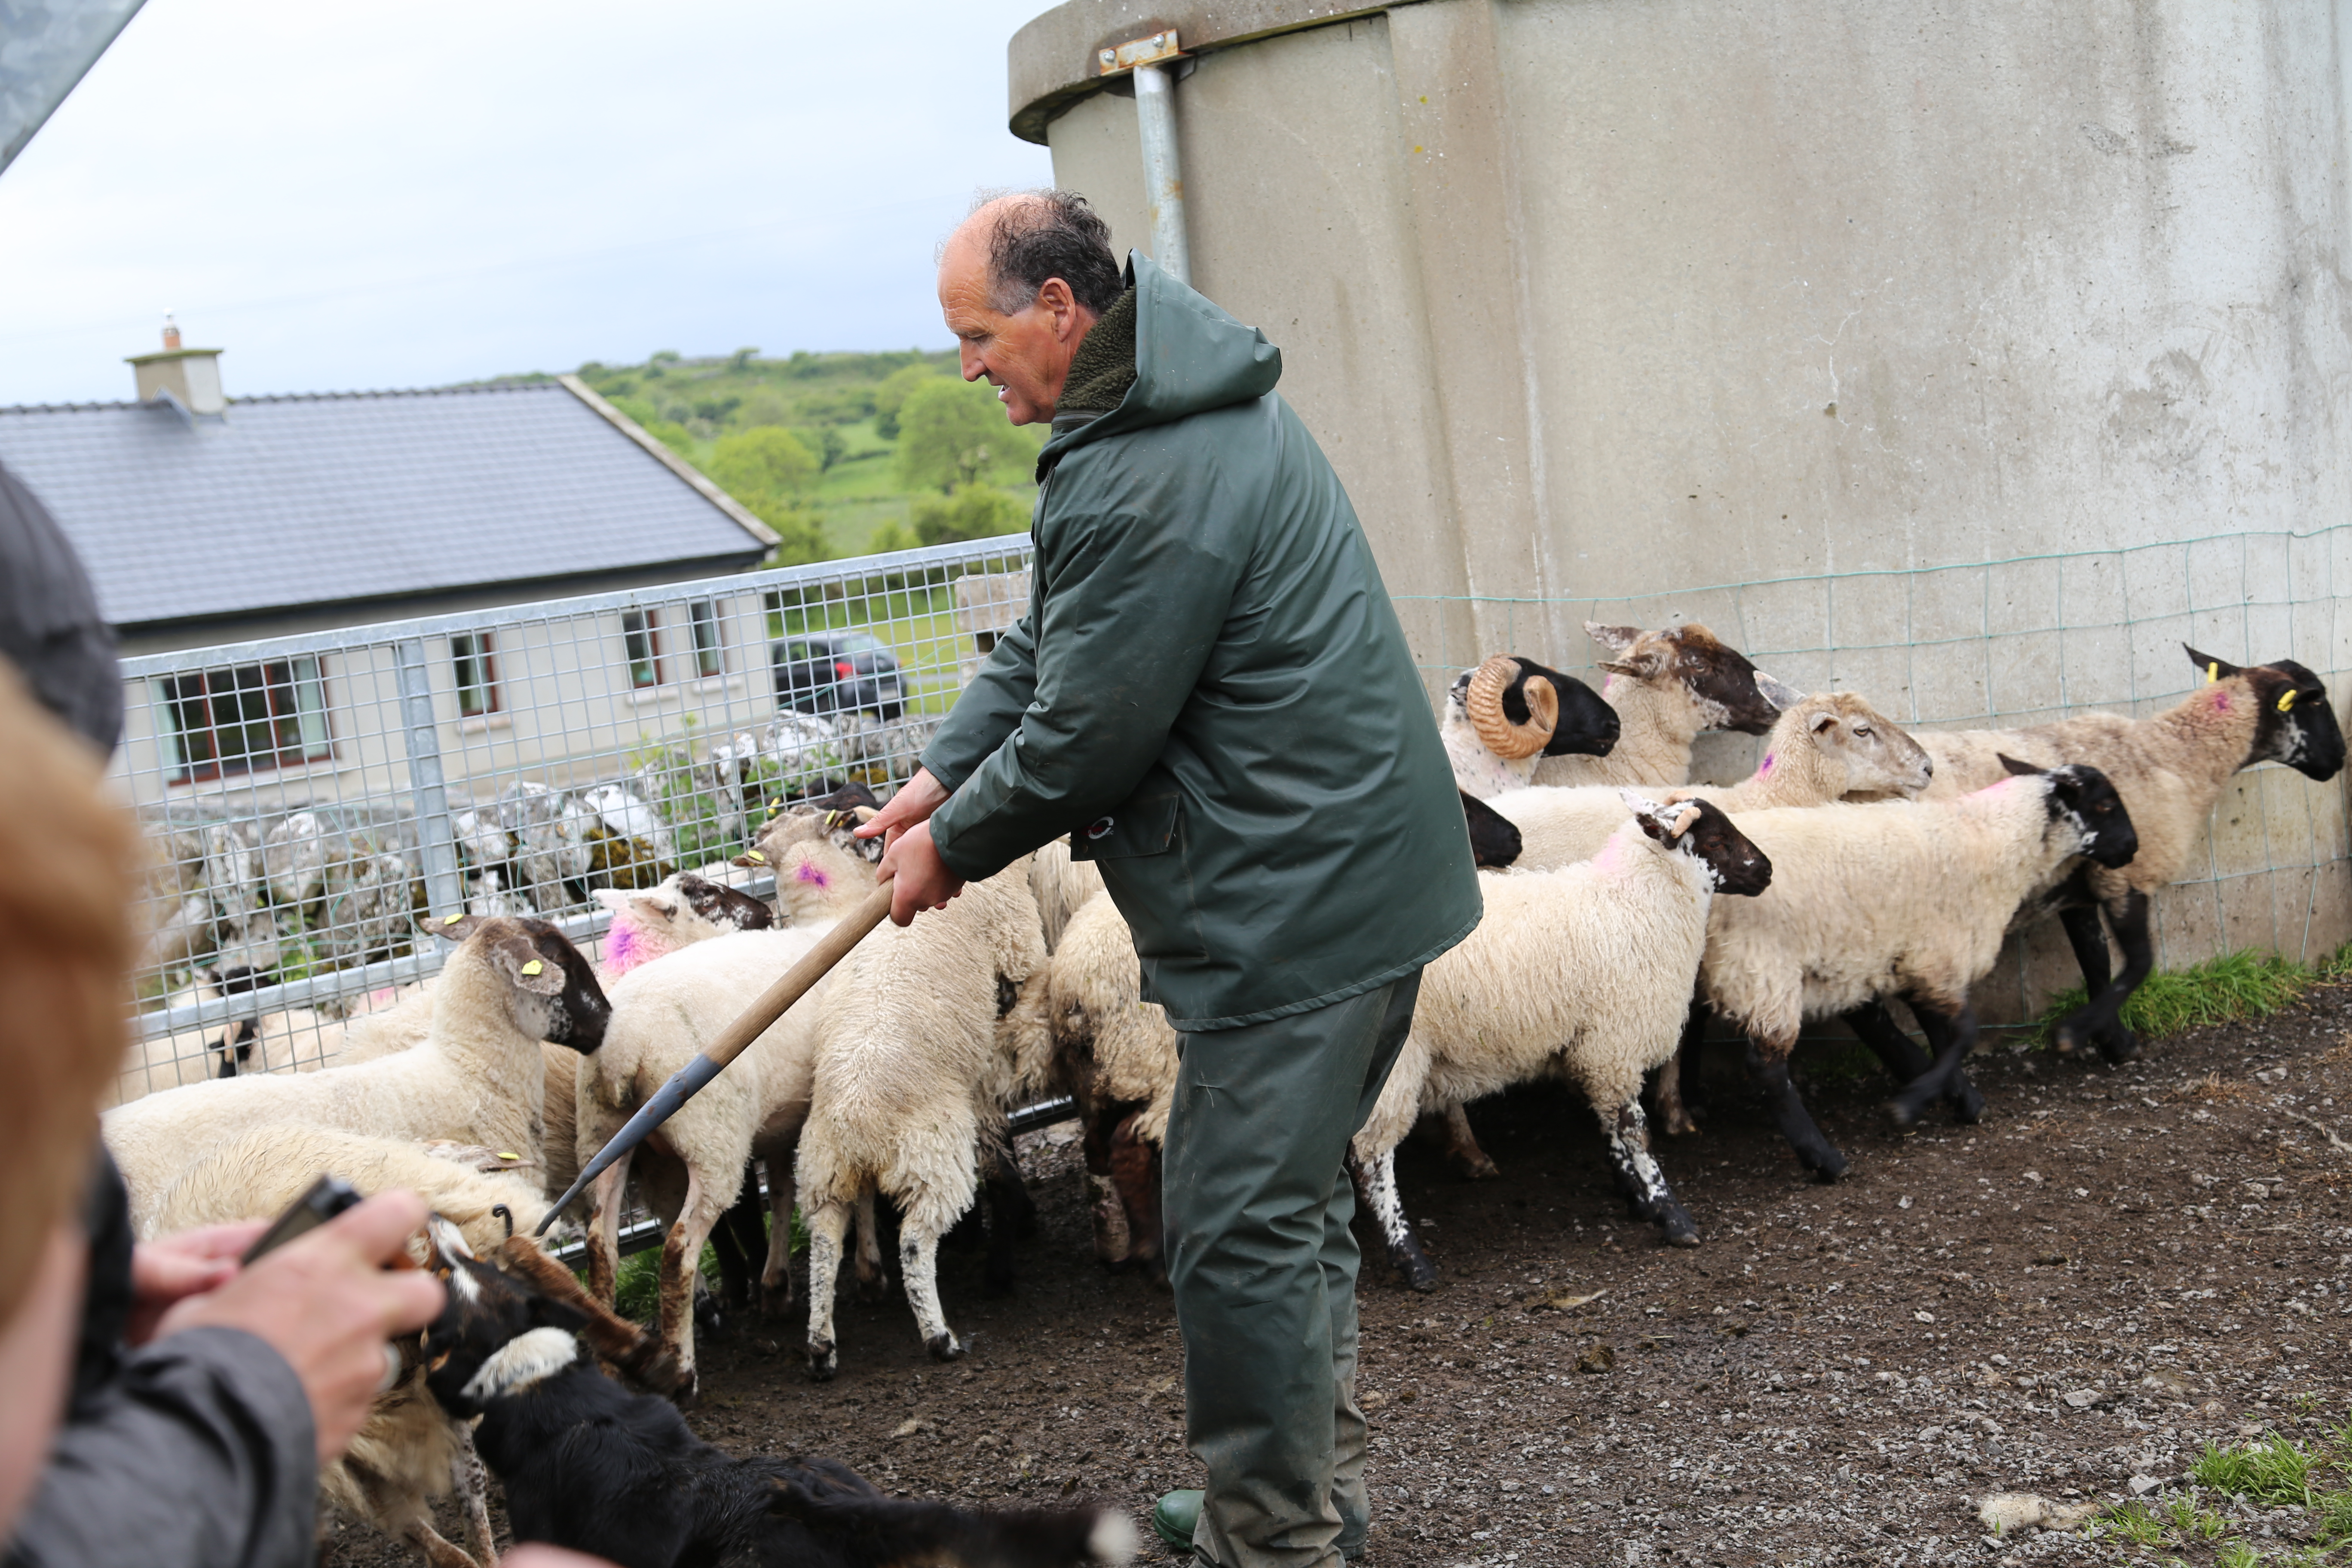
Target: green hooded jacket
x,y
1211,694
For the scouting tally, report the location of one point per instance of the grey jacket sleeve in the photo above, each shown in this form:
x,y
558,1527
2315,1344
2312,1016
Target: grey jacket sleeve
x,y
201,1455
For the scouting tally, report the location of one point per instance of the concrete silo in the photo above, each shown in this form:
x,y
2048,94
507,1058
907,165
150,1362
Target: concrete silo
x,y
1972,356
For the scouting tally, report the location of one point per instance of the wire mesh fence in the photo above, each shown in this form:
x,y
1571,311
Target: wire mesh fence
x,y
312,803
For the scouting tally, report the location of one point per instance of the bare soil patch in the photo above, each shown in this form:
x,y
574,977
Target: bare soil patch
x,y
2118,1266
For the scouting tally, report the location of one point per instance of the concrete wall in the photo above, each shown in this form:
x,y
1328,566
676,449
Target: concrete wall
x,y
1599,303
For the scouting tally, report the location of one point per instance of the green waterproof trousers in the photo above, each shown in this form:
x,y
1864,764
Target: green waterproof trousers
x,y
1256,1200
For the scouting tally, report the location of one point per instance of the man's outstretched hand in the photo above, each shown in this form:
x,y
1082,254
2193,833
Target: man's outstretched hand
x,y
919,879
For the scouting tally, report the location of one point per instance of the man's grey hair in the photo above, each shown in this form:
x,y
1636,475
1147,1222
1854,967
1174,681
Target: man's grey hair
x,y
1037,234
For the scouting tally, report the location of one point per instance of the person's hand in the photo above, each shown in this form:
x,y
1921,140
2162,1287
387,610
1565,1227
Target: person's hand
x,y
918,879
326,1302
915,800
165,1273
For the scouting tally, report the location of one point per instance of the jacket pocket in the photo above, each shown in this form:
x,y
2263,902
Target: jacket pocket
x,y
1144,824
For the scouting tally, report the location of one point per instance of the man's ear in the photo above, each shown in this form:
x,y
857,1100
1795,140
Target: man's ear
x,y
528,967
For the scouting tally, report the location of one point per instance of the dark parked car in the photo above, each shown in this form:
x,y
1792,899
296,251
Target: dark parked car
x,y
836,672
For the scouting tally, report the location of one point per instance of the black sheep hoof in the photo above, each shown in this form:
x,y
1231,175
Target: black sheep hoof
x,y
944,1347
2119,1045
875,1290
1679,1229
1415,1270
1905,1110
821,1361
776,1301
1968,1106
1830,1169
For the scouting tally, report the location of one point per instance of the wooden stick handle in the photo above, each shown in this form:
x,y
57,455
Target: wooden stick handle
x,y
830,950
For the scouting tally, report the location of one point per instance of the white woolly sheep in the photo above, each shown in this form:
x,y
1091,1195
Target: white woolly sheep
x,y
1907,898
1584,973
911,1086
479,1078
1668,686
2170,769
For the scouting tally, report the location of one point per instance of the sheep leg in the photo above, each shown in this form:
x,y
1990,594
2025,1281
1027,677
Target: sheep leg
x,y
472,1483
681,1271
1967,1102
1957,1035
1682,1096
1769,1070
1135,1173
739,1242
1469,1161
1011,1214
776,1275
399,1510
919,1269
1874,1026
2099,1020
1376,1190
603,1229
828,1227
873,1284
1637,1172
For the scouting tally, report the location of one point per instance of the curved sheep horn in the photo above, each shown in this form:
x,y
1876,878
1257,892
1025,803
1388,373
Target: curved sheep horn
x,y
1484,703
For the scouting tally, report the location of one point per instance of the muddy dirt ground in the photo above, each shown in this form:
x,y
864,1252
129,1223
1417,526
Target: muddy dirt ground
x,y
2118,1265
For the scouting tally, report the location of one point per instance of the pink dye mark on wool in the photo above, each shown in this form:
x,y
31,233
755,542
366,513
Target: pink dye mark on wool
x,y
1764,768
811,874
626,947
2221,698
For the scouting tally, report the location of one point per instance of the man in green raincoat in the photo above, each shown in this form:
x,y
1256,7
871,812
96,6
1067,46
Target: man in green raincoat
x,y
1212,696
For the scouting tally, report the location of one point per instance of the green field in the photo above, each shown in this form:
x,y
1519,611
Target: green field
x,y
829,400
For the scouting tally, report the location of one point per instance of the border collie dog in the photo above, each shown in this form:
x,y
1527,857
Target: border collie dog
x,y
591,1466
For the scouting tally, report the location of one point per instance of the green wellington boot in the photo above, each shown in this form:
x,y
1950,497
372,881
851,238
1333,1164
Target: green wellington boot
x,y
1174,1516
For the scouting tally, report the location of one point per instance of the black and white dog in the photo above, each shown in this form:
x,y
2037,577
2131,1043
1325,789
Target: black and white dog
x,y
591,1466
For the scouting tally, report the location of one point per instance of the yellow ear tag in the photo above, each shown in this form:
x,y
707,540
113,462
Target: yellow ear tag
x,y
2286,699
504,1155
451,920
2212,672
756,857
534,967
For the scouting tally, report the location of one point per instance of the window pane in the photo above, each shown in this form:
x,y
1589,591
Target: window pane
x,y
710,658
641,636
311,710
477,692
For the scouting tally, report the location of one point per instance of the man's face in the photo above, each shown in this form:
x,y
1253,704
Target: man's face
x,y
1025,355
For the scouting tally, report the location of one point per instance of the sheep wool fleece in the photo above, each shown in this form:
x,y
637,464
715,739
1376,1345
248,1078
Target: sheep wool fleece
x,y
1263,1267
1211,693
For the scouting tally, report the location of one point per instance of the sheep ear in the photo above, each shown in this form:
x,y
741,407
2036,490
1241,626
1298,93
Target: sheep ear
x,y
456,927
1822,721
2010,765
612,899
654,906
1658,821
528,968
1779,693
2214,668
1616,639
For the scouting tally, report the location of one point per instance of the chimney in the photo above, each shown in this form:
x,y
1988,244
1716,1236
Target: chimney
x,y
190,377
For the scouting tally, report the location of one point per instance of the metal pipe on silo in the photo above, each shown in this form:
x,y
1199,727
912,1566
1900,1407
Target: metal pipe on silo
x,y
1163,172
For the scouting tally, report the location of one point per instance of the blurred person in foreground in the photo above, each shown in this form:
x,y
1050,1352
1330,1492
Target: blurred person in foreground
x,y
163,1406
1211,694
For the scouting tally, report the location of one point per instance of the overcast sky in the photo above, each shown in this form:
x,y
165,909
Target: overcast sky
x,y
363,193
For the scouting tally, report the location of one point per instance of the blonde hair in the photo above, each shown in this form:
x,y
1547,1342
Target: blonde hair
x,y
66,944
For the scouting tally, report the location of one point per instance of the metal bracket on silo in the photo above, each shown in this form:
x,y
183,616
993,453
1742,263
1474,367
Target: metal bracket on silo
x,y
1153,61
436,845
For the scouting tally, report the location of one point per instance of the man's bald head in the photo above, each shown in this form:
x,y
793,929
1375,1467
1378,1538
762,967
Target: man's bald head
x,y
1021,281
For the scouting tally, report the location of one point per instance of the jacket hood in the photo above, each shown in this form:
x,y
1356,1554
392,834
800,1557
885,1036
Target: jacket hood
x,y
1189,357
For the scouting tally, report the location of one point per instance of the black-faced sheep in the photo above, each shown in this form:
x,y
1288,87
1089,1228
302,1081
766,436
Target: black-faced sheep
x,y
1668,686
1906,898
1505,717
2170,769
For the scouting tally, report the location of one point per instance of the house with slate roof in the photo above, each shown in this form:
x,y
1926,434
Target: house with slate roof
x,y
205,521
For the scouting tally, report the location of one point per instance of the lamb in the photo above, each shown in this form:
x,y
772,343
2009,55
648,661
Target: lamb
x,y
2170,769
1667,687
911,1085
409,1452
1584,971
591,1467
1502,719
1062,887
1907,898
477,1079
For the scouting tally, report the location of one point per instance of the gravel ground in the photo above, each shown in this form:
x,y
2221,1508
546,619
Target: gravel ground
x,y
2117,1267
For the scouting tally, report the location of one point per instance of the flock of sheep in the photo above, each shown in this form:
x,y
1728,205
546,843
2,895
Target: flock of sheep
x,y
1860,866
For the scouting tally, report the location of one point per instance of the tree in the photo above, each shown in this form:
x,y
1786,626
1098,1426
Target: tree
x,y
763,405
766,461
950,433
971,511
891,397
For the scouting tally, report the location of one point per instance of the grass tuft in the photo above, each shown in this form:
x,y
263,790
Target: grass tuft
x,y
2244,985
2270,1471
